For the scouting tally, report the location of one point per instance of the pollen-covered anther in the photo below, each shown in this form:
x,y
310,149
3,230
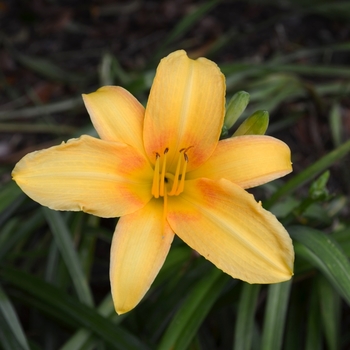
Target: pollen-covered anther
x,y
166,183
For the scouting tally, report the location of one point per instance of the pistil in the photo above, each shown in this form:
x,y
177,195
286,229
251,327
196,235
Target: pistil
x,y
182,176
176,177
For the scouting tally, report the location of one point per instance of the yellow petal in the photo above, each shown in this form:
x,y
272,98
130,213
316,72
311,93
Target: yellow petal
x,y
247,161
228,227
101,178
185,109
116,115
140,245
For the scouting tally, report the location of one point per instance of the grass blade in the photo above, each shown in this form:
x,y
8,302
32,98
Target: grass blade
x,y
185,24
324,253
48,69
335,123
310,172
57,304
313,335
36,111
330,307
84,339
11,197
192,312
20,232
245,317
14,333
275,315
69,255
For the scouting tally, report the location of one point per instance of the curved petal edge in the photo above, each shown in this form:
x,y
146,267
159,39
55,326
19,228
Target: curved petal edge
x,y
102,178
247,161
140,245
186,106
227,226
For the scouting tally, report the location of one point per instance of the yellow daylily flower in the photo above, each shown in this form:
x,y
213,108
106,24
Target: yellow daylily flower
x,y
164,171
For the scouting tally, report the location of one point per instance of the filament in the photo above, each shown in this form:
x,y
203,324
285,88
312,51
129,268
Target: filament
x,y
162,176
155,185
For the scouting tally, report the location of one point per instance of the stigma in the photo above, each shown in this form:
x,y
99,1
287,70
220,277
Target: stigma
x,y
166,183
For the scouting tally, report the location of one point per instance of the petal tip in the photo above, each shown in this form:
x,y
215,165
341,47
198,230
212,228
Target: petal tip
x,y
121,311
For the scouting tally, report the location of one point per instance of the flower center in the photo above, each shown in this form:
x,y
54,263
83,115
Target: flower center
x,y
165,183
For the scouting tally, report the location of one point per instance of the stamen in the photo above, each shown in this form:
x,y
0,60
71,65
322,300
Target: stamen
x,y
162,176
165,208
183,174
176,177
155,185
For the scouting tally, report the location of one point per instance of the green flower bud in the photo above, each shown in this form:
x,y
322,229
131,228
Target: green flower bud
x,y
235,108
318,189
256,124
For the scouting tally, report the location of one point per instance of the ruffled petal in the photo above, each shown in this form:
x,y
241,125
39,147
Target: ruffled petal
x,y
116,115
102,178
228,227
185,109
247,161
140,245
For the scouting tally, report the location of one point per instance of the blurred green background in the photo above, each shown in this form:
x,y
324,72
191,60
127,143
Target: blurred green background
x,y
292,57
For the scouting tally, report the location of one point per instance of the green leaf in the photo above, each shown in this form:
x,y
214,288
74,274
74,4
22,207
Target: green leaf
x,y
9,192
313,334
66,246
189,317
330,312
324,253
83,339
32,112
275,315
8,241
296,318
335,123
13,337
311,171
343,239
52,301
11,197
245,317
48,69
185,24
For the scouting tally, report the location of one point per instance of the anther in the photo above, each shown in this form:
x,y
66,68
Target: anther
x,y
161,177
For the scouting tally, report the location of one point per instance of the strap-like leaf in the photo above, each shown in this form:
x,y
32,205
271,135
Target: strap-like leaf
x,y
59,305
245,317
323,252
66,247
189,317
275,315
11,333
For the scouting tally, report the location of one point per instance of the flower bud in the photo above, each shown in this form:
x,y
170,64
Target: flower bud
x,y
235,108
256,124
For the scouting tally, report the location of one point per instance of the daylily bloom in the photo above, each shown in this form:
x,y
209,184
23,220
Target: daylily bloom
x,y
163,170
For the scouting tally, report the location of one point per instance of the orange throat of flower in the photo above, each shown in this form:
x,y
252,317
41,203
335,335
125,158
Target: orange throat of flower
x,y
165,183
